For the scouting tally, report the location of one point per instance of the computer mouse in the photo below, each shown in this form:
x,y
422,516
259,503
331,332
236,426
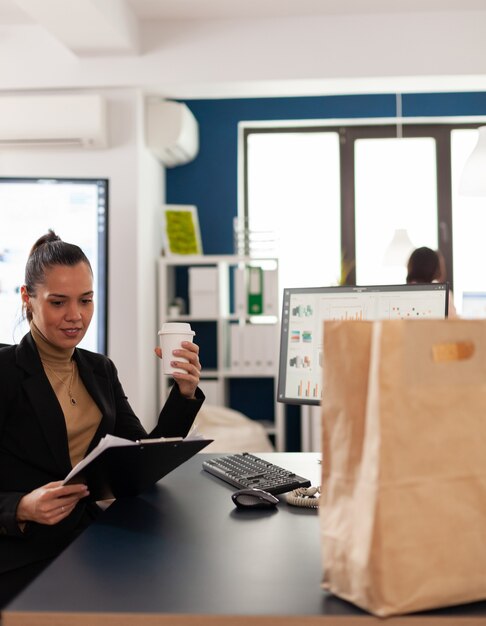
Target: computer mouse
x,y
254,499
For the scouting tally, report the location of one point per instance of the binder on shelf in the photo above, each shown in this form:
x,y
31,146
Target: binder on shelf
x,y
257,346
270,292
247,353
271,347
235,347
120,467
255,290
240,292
203,291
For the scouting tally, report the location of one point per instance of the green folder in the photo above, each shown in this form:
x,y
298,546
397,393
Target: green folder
x,y
255,290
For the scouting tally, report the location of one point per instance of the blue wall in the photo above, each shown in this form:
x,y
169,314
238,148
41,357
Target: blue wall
x,y
210,181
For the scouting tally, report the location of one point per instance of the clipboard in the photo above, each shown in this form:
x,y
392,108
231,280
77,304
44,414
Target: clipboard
x,y
124,470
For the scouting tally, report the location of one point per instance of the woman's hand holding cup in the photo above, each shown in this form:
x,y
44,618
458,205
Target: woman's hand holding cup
x,y
180,356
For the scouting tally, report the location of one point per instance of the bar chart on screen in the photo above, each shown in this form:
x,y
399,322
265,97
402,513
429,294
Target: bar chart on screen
x,y
347,313
308,389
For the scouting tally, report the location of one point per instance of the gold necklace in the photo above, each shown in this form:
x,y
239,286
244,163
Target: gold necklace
x,y
69,387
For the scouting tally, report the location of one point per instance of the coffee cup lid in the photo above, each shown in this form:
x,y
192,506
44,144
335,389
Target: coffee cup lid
x,y
176,327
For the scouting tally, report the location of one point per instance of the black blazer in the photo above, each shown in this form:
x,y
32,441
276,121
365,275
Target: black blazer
x,y
34,445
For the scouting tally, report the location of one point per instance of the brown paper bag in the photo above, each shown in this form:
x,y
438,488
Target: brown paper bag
x,y
403,503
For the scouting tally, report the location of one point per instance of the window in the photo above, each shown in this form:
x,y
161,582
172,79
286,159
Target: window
x,y
469,224
338,194
395,189
293,189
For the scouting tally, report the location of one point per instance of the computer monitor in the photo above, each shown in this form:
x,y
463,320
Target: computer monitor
x,y
77,210
305,309
473,305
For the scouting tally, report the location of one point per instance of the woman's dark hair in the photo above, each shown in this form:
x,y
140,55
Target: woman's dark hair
x,y
48,251
423,266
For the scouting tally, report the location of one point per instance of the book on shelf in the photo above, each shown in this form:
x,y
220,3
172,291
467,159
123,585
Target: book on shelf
x,y
120,467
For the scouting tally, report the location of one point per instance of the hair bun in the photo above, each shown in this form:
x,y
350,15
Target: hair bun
x,y
49,237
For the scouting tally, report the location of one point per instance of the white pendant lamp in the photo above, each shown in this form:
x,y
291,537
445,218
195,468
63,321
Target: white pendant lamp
x,y
399,249
473,177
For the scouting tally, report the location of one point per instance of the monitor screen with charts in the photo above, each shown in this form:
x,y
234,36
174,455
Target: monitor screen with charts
x,y
304,310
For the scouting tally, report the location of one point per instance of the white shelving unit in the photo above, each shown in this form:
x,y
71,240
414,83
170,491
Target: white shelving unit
x,y
173,275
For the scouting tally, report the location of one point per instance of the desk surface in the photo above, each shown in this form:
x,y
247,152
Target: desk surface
x,y
183,554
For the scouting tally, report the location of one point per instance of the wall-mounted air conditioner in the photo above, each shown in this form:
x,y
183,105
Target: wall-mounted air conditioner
x,y
171,132
53,120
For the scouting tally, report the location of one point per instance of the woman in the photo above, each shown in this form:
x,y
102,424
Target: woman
x,y
424,266
56,402
428,266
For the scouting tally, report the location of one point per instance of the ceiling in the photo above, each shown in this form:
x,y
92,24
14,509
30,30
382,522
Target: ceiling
x,y
87,43
11,11
103,28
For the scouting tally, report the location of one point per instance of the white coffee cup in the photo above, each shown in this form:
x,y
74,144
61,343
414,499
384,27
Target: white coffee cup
x,y
171,335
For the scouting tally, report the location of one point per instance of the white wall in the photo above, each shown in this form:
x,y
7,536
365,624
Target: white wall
x,y
135,179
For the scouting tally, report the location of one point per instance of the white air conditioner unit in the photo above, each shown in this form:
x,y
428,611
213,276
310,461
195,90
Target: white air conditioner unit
x,y
171,132
53,120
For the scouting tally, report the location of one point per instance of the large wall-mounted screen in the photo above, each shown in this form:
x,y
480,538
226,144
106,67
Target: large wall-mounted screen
x,y
305,309
77,210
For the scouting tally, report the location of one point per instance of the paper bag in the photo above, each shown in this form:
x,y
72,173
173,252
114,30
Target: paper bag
x,y
403,503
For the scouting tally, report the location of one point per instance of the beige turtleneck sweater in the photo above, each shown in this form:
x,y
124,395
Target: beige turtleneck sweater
x,y
81,413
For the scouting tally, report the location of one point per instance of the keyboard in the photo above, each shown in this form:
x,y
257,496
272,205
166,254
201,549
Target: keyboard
x,y
246,471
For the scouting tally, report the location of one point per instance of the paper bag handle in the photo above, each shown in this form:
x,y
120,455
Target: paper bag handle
x,y
453,351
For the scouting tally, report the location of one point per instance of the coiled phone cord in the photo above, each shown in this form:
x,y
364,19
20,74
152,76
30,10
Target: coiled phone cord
x,y
304,496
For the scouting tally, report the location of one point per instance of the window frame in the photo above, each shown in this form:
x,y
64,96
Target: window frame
x,y
351,130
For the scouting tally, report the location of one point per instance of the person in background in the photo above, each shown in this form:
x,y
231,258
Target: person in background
x,y
56,402
428,266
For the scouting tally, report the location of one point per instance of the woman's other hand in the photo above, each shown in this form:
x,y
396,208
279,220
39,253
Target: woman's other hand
x,y
50,503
